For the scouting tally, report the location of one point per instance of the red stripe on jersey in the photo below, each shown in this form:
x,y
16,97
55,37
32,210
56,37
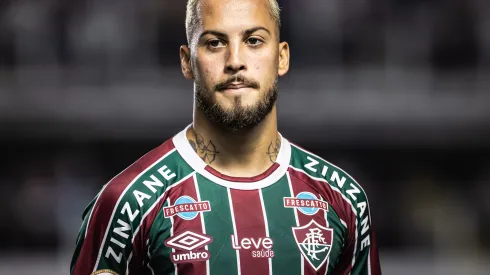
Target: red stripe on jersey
x,y
180,225
262,176
374,256
100,216
343,209
249,222
299,186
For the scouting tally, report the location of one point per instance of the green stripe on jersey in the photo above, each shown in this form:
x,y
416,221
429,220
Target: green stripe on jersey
x,y
358,268
140,196
219,225
286,259
160,254
339,238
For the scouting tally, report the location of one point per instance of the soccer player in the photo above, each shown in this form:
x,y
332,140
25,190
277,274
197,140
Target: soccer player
x,y
229,194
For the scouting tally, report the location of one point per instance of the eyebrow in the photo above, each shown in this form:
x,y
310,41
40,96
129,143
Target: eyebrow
x,y
243,33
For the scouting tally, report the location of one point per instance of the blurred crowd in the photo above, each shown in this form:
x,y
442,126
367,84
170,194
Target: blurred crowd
x,y
427,196
442,34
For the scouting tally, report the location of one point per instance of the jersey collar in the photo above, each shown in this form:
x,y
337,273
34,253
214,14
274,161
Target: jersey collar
x,y
272,175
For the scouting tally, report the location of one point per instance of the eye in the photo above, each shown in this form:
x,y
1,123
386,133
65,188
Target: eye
x,y
215,43
254,41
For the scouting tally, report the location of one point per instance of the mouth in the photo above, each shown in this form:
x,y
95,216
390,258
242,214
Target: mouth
x,y
235,87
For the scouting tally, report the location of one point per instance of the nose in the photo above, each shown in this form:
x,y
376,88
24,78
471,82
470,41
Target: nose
x,y
235,61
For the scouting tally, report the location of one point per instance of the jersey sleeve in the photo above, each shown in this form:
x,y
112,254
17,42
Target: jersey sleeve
x,y
103,246
360,255
366,258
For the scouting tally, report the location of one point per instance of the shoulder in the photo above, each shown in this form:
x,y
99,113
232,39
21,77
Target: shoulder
x,y
128,203
350,192
147,163
335,178
141,182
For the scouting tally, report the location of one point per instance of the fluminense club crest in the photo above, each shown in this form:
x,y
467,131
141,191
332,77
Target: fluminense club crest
x,y
314,242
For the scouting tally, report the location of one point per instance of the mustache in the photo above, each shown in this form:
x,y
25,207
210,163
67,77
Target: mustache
x,y
237,78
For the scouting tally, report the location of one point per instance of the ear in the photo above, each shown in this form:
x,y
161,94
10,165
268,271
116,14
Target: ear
x,y
185,62
283,67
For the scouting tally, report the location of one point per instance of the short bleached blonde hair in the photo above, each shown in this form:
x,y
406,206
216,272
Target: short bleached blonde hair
x,y
192,17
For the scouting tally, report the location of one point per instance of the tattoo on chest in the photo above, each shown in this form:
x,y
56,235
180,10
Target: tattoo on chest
x,y
206,151
273,150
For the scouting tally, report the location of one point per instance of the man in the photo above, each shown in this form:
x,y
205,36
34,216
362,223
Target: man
x,y
229,194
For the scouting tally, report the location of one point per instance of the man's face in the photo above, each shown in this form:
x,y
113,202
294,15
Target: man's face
x,y
234,56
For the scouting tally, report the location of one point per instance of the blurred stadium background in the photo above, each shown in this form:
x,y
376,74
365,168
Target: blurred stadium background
x,y
397,92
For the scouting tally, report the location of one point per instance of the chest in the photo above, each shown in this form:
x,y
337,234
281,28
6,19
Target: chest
x,y
204,228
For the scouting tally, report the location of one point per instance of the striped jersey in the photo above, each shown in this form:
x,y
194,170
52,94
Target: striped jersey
x,y
171,213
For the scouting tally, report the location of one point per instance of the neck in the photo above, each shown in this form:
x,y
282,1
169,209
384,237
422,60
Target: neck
x,y
243,153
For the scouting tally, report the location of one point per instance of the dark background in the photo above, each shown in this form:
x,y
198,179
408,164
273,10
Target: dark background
x,y
396,92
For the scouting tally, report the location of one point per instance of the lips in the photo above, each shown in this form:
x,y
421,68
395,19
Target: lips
x,y
236,86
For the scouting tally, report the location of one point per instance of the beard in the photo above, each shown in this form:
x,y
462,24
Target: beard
x,y
238,117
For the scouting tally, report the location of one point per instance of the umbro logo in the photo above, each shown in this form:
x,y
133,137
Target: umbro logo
x,y
188,241
191,246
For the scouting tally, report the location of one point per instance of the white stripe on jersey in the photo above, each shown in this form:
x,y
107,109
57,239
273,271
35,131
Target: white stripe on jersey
x,y
171,235
198,194
369,262
297,221
128,261
343,223
234,230
149,257
266,225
